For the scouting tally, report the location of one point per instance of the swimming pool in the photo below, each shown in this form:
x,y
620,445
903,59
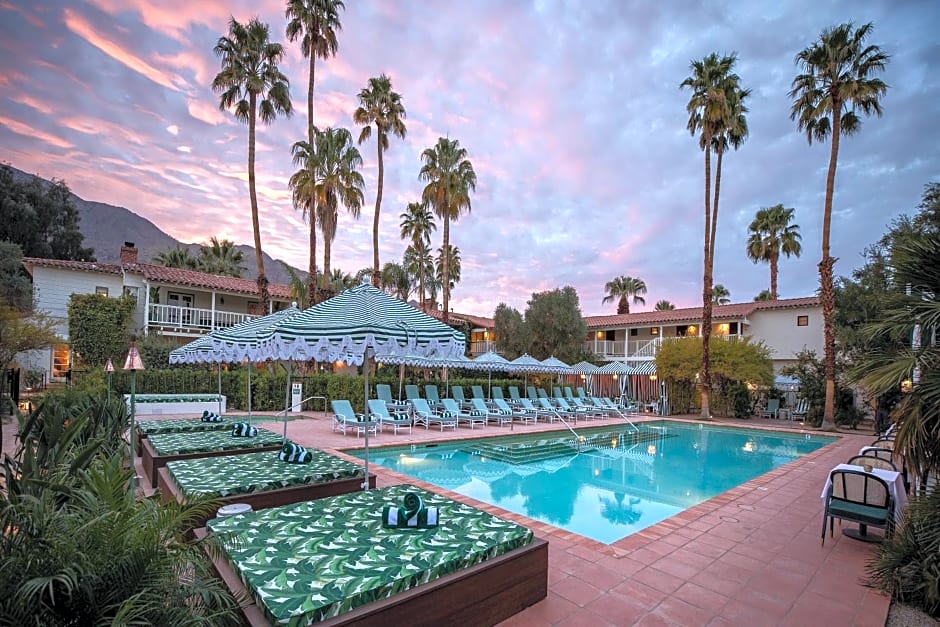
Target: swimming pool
x,y
613,483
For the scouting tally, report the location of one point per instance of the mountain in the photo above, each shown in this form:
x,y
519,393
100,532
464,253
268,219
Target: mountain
x,y
106,227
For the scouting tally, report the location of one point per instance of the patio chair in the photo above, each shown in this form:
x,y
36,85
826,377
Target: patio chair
x,y
424,415
874,462
859,497
556,392
884,443
497,393
383,391
542,393
525,416
527,405
431,395
514,394
545,405
580,412
801,409
456,393
492,415
477,391
397,420
773,406
530,393
883,453
568,394
580,391
411,393
463,418
345,418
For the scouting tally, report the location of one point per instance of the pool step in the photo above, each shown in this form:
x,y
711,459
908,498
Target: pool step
x,y
536,450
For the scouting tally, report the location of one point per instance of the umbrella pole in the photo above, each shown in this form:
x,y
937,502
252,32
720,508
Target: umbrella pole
x,y
249,392
366,362
489,383
401,378
220,386
290,367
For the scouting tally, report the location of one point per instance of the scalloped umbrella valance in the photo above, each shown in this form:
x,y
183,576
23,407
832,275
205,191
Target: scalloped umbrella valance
x,y
556,366
242,341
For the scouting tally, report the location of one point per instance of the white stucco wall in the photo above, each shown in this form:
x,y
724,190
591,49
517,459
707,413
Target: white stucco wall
x,y
52,288
778,329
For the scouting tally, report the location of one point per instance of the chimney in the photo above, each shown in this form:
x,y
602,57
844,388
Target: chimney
x,y
128,253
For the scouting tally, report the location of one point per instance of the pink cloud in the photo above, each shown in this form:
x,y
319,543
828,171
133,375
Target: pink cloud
x,y
33,103
28,131
205,112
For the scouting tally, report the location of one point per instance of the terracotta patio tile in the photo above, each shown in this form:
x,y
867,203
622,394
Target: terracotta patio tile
x,y
623,565
640,594
585,619
676,568
577,591
809,607
617,609
701,597
741,613
682,613
658,579
550,611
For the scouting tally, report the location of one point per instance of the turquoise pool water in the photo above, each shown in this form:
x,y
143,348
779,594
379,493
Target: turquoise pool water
x,y
618,483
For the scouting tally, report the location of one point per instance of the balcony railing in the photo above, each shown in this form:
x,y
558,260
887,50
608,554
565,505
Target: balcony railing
x,y
621,349
481,346
172,317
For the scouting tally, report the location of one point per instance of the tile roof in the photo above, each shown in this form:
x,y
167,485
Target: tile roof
x,y
476,321
694,314
162,274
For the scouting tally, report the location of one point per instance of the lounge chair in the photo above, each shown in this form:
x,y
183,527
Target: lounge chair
x,y
397,420
432,396
456,393
859,497
542,393
464,418
527,405
411,393
802,408
581,393
497,393
514,394
556,392
568,394
557,412
525,416
492,415
345,418
773,406
874,462
424,415
579,411
477,391
384,392
530,393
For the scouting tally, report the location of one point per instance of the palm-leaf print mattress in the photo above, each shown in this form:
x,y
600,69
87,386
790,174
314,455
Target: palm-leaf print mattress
x,y
202,441
256,472
181,425
311,561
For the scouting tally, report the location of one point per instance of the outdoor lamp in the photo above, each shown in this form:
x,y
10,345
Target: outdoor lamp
x,y
109,368
907,385
133,363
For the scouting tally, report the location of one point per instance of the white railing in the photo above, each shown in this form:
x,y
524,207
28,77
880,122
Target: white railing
x,y
193,319
636,348
482,346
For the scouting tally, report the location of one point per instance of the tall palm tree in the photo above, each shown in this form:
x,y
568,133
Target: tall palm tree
x,y
664,305
417,222
720,295
318,21
621,289
251,84
451,264
396,281
177,257
221,258
771,234
716,112
334,164
298,287
837,81
450,180
381,106
303,185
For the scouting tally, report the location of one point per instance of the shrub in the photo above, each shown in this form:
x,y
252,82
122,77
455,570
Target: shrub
x,y
908,564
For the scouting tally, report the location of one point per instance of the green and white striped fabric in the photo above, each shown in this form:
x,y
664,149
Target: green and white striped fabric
x,y
584,367
294,454
617,367
244,430
342,327
645,367
229,475
179,425
311,561
526,363
203,441
556,366
196,352
240,341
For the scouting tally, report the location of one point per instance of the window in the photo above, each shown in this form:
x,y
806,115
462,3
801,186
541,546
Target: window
x,y
802,321
654,330
733,328
611,336
633,332
132,292
101,291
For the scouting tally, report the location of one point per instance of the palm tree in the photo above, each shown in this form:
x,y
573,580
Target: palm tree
x,y
318,21
298,287
716,111
720,295
177,257
664,305
764,295
334,164
418,261
771,234
417,222
449,263
303,185
251,84
396,281
221,258
450,179
623,288
837,82
381,106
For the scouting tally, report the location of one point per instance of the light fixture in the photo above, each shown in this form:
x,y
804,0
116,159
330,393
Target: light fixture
x,y
654,330
600,335
653,377
907,385
133,363
691,330
583,377
651,449
109,368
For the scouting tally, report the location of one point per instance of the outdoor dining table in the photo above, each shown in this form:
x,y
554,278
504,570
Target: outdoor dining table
x,y
895,483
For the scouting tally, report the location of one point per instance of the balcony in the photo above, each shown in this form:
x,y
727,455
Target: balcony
x,y
621,349
191,321
482,346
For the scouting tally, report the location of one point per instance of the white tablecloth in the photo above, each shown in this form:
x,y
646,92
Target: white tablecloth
x,y
895,486
865,449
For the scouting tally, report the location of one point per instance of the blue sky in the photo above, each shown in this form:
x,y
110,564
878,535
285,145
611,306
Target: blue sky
x,y
571,113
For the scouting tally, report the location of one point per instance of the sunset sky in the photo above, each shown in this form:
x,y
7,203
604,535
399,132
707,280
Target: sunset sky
x,y
571,113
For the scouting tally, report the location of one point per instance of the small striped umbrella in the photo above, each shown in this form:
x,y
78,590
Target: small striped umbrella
x,y
587,369
491,361
556,366
242,341
621,370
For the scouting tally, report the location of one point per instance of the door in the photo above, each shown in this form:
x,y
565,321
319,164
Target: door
x,y
185,303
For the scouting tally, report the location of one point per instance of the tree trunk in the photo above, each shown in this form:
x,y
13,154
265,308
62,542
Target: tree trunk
x,y
312,266
327,246
707,288
421,284
825,276
378,205
774,257
255,224
446,272
623,305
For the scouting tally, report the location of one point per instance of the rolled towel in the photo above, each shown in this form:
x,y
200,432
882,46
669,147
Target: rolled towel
x,y
294,454
413,515
209,416
244,430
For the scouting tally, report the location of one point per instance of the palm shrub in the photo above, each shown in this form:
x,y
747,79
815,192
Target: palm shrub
x,y
908,564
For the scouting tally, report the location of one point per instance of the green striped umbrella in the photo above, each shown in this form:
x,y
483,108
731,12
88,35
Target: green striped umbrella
x,y
491,361
343,327
241,341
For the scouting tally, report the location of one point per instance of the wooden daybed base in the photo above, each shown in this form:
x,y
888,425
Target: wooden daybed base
x,y
170,490
153,461
483,594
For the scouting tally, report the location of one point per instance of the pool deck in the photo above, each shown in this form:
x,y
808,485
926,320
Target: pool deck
x,y
750,556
